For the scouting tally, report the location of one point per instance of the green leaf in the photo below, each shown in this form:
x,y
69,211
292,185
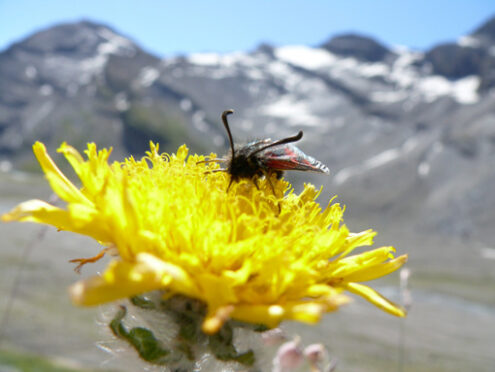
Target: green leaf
x,y
148,347
142,302
142,339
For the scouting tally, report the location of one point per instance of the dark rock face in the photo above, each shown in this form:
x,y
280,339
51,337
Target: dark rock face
x,y
357,46
454,61
487,75
472,57
486,31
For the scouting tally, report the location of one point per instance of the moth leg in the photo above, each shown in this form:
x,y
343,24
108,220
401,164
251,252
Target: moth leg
x,y
230,183
267,176
216,170
255,181
220,160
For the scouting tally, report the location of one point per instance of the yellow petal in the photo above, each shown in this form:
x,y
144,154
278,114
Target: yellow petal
x,y
73,157
376,299
302,311
41,212
355,240
376,271
181,280
269,315
120,280
349,265
59,183
215,318
124,279
37,211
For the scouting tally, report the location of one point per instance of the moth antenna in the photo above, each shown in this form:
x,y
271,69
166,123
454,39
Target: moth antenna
x,y
283,141
230,184
226,125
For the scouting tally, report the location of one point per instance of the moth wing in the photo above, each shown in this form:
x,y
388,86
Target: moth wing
x,y
289,157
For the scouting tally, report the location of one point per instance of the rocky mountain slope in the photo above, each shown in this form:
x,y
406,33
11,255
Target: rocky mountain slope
x,y
405,133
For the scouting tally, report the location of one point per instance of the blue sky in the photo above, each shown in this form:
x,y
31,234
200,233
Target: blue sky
x,y
186,26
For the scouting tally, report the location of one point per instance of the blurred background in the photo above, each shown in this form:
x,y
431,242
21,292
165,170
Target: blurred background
x,y
397,98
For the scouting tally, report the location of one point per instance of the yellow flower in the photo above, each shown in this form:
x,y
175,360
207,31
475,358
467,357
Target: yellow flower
x,y
247,254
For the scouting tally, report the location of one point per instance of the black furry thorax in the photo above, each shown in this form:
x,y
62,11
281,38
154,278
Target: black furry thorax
x,y
244,165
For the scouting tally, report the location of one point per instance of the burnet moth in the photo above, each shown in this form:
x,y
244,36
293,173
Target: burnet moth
x,y
265,158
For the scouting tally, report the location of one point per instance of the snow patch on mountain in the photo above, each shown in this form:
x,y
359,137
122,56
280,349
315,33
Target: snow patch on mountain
x,y
381,159
112,44
463,90
147,76
205,59
468,42
224,60
306,57
115,44
295,112
403,74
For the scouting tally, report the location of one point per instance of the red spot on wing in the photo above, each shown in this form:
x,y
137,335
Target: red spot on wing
x,y
289,152
281,164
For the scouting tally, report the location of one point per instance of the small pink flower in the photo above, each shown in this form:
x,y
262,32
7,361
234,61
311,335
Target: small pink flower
x,y
315,353
289,356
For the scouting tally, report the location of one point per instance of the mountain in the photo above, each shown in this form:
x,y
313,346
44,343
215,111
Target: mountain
x,y
406,134
84,82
